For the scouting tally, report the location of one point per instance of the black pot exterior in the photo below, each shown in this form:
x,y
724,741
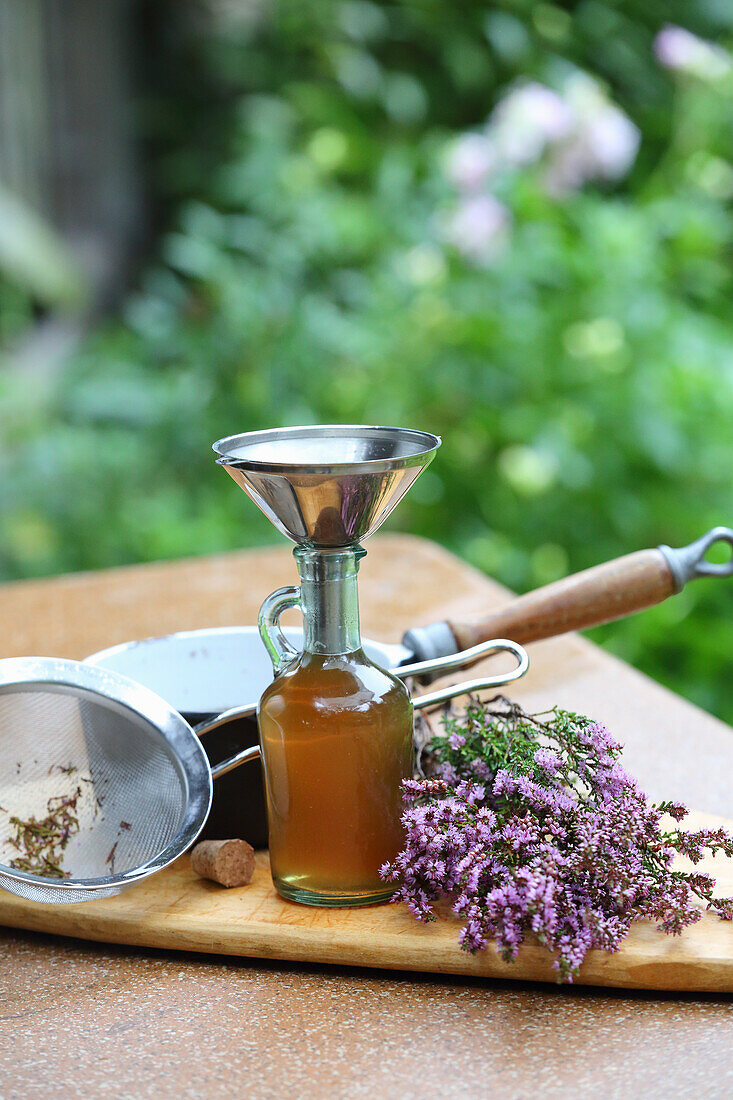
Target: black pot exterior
x,y
238,809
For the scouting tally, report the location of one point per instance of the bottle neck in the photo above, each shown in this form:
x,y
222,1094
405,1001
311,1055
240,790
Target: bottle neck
x,y
329,599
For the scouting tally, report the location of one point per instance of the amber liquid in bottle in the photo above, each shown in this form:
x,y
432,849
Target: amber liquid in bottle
x,y
336,738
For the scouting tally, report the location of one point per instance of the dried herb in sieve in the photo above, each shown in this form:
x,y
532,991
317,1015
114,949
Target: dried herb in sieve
x,y
41,843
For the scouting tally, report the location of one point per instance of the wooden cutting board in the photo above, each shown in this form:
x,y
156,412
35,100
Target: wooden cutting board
x,y
176,909
675,750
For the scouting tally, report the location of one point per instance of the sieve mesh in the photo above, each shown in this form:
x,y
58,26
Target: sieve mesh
x,y
57,738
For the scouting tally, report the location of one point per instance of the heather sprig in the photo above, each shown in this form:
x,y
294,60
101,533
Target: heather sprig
x,y
529,823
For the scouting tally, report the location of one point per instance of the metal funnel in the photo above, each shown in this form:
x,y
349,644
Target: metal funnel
x,y
327,485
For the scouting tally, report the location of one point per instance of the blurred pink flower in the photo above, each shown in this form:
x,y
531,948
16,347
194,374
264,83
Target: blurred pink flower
x,y
526,120
576,135
612,142
602,143
479,228
682,51
471,160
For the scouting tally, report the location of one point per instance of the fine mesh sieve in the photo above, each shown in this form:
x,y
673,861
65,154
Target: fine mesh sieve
x,y
144,782
143,778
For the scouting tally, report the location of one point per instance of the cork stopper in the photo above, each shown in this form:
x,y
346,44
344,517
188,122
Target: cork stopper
x,y
229,862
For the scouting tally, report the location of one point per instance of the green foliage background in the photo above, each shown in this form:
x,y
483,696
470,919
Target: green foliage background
x,y
583,384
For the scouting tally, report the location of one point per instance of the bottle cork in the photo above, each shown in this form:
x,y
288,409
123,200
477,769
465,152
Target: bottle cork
x,y
229,862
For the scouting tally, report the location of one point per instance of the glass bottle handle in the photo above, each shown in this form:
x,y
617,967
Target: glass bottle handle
x,y
281,652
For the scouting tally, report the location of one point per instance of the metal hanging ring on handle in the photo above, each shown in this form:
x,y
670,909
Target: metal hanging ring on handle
x,y
687,562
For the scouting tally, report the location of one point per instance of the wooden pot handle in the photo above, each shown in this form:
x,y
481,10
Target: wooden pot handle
x,y
595,596
598,595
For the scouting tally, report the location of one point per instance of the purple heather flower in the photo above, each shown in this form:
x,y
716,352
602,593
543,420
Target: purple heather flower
x,y
548,760
530,849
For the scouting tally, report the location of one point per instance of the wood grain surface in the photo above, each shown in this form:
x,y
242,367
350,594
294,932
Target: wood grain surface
x,y
178,910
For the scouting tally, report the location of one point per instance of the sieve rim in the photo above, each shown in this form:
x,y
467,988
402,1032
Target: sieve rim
x,y
107,686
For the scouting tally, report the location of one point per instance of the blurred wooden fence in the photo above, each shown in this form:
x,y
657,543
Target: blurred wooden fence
x,y
66,129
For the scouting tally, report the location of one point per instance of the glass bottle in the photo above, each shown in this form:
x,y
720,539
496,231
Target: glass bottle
x,y
336,739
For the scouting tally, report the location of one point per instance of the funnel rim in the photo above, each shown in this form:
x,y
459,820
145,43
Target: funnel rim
x,y
421,457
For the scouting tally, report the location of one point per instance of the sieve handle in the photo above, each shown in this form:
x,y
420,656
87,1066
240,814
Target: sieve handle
x,y
245,756
224,718
252,752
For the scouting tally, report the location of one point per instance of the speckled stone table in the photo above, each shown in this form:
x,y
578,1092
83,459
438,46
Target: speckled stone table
x,y
80,1018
